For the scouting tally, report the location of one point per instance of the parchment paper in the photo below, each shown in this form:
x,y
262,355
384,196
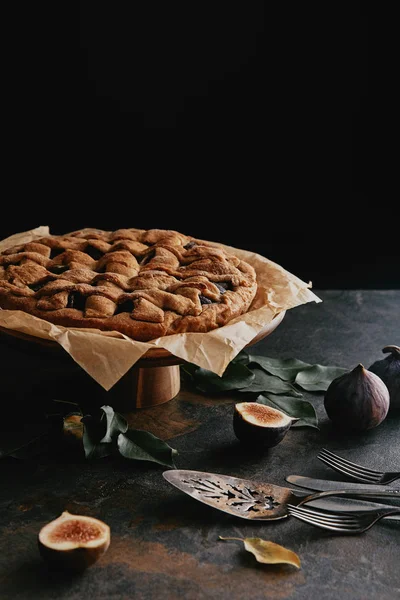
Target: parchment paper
x,y
107,356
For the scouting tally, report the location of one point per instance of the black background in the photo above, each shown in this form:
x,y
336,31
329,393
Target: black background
x,y
238,122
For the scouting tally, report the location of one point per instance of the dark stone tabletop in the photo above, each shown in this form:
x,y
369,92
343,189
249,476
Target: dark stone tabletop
x,y
164,544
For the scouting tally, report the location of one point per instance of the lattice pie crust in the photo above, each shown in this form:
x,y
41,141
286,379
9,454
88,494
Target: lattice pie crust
x,y
143,283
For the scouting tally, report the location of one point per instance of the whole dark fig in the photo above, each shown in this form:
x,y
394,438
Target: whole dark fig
x,y
388,369
357,400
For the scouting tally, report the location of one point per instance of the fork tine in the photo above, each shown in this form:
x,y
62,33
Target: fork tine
x,y
334,457
340,522
341,525
346,463
325,517
319,522
349,471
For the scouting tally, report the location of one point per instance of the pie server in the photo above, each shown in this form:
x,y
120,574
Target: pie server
x,y
254,500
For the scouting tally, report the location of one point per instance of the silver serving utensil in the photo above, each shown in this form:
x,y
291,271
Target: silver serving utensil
x,y
253,500
325,485
355,471
346,504
342,522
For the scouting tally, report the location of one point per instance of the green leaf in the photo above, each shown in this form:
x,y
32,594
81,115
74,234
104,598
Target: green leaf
x,y
188,370
24,444
66,406
317,378
94,451
116,424
93,434
285,368
263,382
236,376
141,445
100,435
242,358
267,552
293,407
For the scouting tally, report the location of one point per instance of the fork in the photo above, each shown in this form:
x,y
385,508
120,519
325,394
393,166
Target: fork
x,y
343,522
354,471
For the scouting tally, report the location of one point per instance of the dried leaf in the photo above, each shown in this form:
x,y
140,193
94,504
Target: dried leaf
x,y
73,426
267,552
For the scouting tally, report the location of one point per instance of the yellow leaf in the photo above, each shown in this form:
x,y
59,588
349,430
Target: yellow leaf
x,y
268,552
73,426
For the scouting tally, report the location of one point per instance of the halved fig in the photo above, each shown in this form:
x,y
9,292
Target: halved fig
x,y
73,541
260,425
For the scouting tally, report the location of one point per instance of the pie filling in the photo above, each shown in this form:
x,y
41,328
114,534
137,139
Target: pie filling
x,y
143,283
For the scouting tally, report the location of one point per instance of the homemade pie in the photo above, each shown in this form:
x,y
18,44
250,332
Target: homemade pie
x,y
142,283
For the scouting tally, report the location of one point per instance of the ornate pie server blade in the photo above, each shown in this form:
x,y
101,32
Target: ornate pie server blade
x,y
240,497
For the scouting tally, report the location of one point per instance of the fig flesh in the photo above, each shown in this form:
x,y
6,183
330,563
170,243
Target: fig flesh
x,y
73,541
388,369
357,400
260,425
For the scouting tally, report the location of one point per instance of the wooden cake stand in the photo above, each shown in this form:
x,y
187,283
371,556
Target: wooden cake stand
x,y
153,379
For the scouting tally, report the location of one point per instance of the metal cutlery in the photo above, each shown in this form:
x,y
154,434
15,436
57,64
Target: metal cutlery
x,y
349,523
355,471
254,500
325,485
348,504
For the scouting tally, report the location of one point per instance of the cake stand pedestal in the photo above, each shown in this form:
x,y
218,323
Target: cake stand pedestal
x,y
154,379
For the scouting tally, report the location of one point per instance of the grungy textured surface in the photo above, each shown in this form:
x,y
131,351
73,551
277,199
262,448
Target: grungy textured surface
x,y
166,545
